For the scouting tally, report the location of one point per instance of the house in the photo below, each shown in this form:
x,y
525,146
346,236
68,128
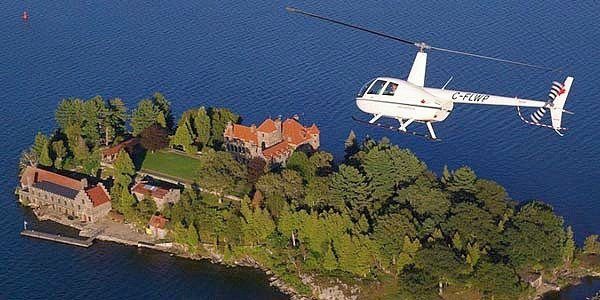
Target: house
x,y
273,140
157,227
109,155
64,195
161,194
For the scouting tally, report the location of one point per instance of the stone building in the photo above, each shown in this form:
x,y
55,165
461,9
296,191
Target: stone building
x,y
157,227
40,188
274,140
161,195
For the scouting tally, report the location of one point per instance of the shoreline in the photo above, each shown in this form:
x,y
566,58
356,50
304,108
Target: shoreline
x,y
174,249
87,230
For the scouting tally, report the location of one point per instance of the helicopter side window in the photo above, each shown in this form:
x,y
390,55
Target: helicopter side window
x,y
376,87
390,89
364,88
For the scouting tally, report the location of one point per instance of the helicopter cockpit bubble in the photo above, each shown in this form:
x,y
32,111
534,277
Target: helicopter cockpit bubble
x,y
364,88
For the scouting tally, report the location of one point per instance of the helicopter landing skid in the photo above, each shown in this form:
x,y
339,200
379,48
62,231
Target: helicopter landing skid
x,y
396,129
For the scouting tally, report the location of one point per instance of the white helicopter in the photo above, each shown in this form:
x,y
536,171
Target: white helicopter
x,y
409,101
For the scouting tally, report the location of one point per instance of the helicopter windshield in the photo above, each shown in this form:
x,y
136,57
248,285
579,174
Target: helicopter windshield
x,y
364,88
376,87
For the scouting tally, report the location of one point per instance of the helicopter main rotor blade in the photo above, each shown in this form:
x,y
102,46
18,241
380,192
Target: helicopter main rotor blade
x,y
421,45
494,58
385,35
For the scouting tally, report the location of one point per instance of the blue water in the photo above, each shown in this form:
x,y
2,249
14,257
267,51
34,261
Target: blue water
x,y
255,58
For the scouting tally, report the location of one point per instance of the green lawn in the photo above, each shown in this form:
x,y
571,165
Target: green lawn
x,y
172,164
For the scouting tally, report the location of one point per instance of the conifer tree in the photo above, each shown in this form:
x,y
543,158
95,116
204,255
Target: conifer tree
x,y
41,148
144,116
351,146
202,127
59,152
183,138
350,188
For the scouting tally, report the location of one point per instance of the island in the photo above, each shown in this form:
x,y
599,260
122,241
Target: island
x,y
377,224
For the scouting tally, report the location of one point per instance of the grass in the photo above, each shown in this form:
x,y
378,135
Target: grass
x,y
172,164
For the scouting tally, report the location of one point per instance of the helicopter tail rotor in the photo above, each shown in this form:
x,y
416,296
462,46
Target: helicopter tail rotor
x,y
555,104
559,93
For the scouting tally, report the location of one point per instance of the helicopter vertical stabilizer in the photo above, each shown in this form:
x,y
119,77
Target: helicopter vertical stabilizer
x,y
560,91
417,72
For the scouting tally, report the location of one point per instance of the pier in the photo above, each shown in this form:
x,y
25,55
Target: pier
x,y
58,238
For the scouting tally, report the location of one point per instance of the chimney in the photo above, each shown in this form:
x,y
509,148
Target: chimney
x,y
253,128
296,117
84,183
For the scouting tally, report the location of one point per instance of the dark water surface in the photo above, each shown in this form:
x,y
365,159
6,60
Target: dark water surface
x,y
255,58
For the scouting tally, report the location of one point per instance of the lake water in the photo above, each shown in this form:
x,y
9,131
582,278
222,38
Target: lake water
x,y
257,59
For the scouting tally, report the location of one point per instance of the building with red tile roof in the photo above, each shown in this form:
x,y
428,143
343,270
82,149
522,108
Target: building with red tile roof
x,y
160,195
157,226
109,155
273,140
64,195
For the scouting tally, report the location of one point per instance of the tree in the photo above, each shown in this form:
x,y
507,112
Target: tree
x,y
390,232
416,284
257,225
497,281
349,188
59,152
69,112
473,224
146,208
426,198
154,138
591,245
287,185
219,117
144,116
441,262
300,163
493,197
183,138
114,121
41,149
93,112
256,168
220,173
461,180
202,127
535,237
124,169
164,106
388,167
570,247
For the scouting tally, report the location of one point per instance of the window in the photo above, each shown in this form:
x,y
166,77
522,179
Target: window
x,y
390,89
376,87
364,88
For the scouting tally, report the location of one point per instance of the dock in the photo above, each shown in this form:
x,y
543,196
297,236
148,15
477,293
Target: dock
x,y
58,238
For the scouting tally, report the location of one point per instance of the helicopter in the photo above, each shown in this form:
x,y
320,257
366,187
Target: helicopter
x,y
409,101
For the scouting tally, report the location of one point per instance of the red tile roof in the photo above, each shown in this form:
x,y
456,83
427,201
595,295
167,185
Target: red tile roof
x,y
158,222
241,132
98,195
313,129
116,148
149,190
294,133
276,150
267,126
32,175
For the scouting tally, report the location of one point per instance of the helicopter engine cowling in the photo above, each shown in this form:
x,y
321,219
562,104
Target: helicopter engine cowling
x,y
399,99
